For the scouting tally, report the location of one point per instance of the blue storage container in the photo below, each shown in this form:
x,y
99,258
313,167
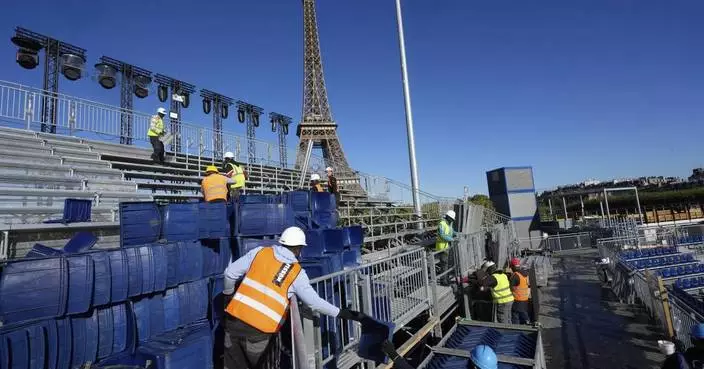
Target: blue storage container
x,y
213,220
102,275
147,263
258,199
333,240
263,219
298,201
119,275
180,222
40,251
324,219
173,263
217,284
216,255
80,283
319,266
353,236
246,245
134,266
323,202
64,338
172,309
186,348
302,220
193,301
33,289
77,210
140,223
81,241
85,338
115,330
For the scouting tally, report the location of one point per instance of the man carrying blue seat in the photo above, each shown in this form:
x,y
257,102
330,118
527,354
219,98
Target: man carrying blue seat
x,y
257,308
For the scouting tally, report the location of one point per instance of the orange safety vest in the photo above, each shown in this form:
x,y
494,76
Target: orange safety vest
x,y
522,291
262,298
214,187
318,187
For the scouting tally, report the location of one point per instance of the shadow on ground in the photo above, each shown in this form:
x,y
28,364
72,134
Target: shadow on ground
x,y
584,325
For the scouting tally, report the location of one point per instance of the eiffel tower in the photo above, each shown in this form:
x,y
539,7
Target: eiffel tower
x,y
317,129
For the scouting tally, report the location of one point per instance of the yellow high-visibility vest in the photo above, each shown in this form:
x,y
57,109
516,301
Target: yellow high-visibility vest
x,y
237,175
156,127
440,243
501,293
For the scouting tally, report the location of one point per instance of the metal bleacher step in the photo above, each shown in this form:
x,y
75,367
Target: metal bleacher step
x,y
39,214
14,197
97,173
101,184
168,186
33,168
56,138
27,153
59,143
84,162
43,182
76,153
160,176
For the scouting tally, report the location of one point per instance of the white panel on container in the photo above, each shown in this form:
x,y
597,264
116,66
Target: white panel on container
x,y
522,204
519,179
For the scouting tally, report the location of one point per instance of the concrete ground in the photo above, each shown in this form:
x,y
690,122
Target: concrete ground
x,y
586,327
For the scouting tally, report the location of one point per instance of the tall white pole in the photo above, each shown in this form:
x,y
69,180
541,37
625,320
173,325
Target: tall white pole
x,y
409,114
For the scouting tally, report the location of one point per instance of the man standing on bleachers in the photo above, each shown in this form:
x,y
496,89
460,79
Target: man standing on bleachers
x,y
237,173
155,132
214,185
332,185
255,310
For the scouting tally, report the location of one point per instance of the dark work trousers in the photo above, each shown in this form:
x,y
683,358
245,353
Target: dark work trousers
x,y
519,313
503,312
442,266
158,147
245,346
235,194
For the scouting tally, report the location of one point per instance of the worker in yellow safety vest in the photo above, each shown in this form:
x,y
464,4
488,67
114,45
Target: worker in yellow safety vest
x,y
497,281
155,132
237,173
214,185
445,235
520,287
255,311
315,185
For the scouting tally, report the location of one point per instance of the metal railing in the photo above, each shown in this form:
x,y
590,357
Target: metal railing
x,y
559,242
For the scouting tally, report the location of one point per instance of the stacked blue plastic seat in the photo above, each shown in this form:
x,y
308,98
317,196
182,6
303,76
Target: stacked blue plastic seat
x,y
693,239
648,252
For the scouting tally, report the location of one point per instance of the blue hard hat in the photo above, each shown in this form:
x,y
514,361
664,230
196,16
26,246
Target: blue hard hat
x,y
483,357
697,331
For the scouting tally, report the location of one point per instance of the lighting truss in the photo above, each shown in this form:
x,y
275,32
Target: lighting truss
x,y
220,108
280,123
53,50
178,88
249,114
129,73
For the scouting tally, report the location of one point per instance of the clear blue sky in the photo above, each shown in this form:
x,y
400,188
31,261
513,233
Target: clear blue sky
x,y
577,89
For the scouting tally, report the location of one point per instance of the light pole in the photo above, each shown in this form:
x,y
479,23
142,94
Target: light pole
x,y
409,115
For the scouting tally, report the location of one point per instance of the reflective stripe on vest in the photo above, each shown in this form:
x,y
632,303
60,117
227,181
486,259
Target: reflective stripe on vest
x,y
214,187
502,292
522,291
441,244
237,175
261,299
156,127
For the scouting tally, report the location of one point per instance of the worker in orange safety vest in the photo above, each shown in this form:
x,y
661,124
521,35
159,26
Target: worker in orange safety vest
x,y
255,311
520,287
214,185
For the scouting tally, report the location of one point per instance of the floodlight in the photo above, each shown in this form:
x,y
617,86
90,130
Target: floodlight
x,y
240,115
206,106
72,66
141,86
106,75
224,111
27,54
162,92
186,100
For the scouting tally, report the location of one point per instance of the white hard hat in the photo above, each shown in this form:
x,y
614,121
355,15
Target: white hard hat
x,y
328,169
487,264
229,154
314,177
293,236
450,214
161,111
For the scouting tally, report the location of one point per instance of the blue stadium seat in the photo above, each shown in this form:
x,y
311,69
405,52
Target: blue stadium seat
x,y
149,316
172,314
81,241
216,255
64,338
213,221
263,219
298,201
319,266
324,219
686,283
33,289
333,240
374,333
689,269
140,223
191,261
323,201
33,345
316,242
352,257
115,330
353,236
85,338
258,199
193,301
180,222
102,278
80,288
245,245
191,347
161,268
173,263
119,275
40,251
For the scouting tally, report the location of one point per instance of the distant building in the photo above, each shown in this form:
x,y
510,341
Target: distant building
x,y
697,175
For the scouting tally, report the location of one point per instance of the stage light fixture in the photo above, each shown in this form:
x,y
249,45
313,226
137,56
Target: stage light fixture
x,y
273,124
162,92
206,106
224,111
240,115
72,66
255,119
186,100
27,54
285,128
141,86
106,75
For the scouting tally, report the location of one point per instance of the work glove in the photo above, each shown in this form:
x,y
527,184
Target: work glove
x,y
388,348
348,314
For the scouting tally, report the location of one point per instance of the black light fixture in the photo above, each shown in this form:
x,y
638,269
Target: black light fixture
x,y
141,86
224,111
255,119
162,92
72,66
186,100
107,75
274,121
206,106
27,53
240,115
284,125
